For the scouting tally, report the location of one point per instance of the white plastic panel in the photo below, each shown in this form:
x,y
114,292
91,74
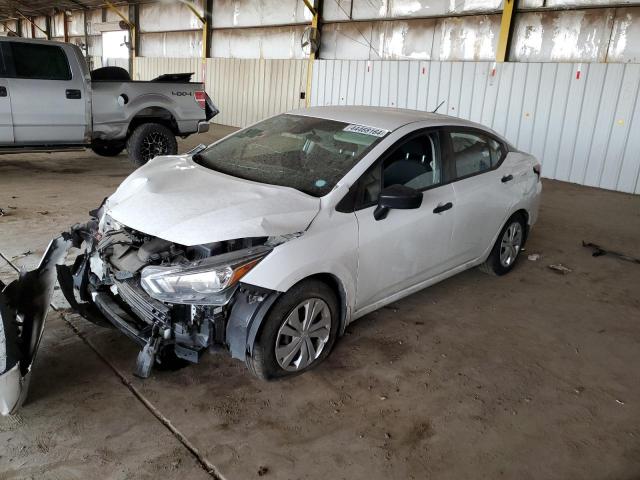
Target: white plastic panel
x,y
579,35
455,38
57,25
112,16
171,44
93,17
42,23
468,38
166,17
26,28
625,36
75,23
250,13
581,120
271,43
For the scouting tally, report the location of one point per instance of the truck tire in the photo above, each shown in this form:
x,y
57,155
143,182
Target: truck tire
x,y
148,141
108,149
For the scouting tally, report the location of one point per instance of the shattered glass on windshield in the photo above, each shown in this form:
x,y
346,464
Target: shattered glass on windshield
x,y
306,153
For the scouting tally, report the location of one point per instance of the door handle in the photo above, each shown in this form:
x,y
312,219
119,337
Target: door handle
x,y
73,94
442,208
507,178
3,91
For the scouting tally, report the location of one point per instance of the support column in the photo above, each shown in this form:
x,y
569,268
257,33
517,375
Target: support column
x,y
506,30
316,11
65,26
208,15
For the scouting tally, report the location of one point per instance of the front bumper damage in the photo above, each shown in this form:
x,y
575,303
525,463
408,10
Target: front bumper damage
x,y
24,304
110,295
166,333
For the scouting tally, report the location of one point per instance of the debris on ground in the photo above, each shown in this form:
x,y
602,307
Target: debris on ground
x,y
560,268
2,213
23,254
534,257
619,402
263,471
43,212
598,251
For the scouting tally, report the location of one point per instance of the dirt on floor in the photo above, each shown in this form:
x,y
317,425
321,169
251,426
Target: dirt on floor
x,y
533,375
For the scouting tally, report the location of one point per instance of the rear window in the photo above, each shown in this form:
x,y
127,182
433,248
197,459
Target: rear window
x,y
43,62
3,65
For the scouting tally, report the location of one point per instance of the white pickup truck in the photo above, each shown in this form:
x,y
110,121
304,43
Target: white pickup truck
x,y
49,101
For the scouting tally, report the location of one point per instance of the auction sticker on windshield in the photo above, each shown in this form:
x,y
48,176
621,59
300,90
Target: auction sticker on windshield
x,y
376,132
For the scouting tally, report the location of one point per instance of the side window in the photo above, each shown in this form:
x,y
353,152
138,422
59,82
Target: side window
x,y
415,163
43,62
474,153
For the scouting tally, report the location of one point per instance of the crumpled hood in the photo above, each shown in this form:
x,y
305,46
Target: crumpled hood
x,y
177,200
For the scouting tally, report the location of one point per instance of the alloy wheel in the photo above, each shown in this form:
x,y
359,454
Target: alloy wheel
x,y
510,244
153,145
303,335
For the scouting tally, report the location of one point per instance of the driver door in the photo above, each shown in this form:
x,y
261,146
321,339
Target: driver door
x,y
408,246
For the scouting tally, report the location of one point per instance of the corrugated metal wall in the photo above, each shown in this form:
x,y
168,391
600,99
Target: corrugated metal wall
x,y
245,90
581,120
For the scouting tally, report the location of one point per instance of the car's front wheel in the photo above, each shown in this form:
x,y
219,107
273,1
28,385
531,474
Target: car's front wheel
x,y
508,245
298,333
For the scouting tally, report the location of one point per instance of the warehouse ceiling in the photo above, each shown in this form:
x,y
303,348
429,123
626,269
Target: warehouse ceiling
x,y
33,8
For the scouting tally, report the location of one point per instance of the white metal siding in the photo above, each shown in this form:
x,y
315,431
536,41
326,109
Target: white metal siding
x,y
581,120
245,90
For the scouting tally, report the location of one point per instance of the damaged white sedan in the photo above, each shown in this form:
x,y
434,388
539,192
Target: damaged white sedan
x,y
271,240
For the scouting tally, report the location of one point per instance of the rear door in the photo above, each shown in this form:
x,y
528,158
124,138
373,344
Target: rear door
x,y
483,190
47,94
6,120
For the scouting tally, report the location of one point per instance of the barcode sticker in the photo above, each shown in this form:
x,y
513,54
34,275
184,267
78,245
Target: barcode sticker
x,y
376,132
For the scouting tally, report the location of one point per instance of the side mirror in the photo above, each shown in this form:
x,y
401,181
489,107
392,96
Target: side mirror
x,y
400,197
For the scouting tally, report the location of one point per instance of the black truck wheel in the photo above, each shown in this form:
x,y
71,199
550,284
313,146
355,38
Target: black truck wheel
x,y
150,140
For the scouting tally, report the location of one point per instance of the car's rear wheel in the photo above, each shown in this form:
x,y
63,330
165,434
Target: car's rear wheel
x,y
150,140
508,245
298,333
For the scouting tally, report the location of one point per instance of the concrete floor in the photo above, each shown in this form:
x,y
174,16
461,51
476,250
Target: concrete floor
x,y
529,376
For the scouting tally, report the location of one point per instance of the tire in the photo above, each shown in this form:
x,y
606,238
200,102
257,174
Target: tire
x,y
500,260
263,361
108,149
148,141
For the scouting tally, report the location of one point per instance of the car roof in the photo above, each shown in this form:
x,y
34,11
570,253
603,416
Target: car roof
x,y
386,118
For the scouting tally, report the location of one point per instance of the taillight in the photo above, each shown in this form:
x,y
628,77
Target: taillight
x,y
537,169
201,99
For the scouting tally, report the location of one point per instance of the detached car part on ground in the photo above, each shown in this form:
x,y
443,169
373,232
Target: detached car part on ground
x,y
271,240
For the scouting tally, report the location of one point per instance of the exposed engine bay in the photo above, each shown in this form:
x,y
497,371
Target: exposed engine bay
x,y
175,301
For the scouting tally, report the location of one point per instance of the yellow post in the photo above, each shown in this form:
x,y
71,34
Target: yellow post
x,y
312,54
505,30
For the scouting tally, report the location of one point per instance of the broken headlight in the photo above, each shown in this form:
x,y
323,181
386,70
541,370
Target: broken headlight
x,y
204,282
